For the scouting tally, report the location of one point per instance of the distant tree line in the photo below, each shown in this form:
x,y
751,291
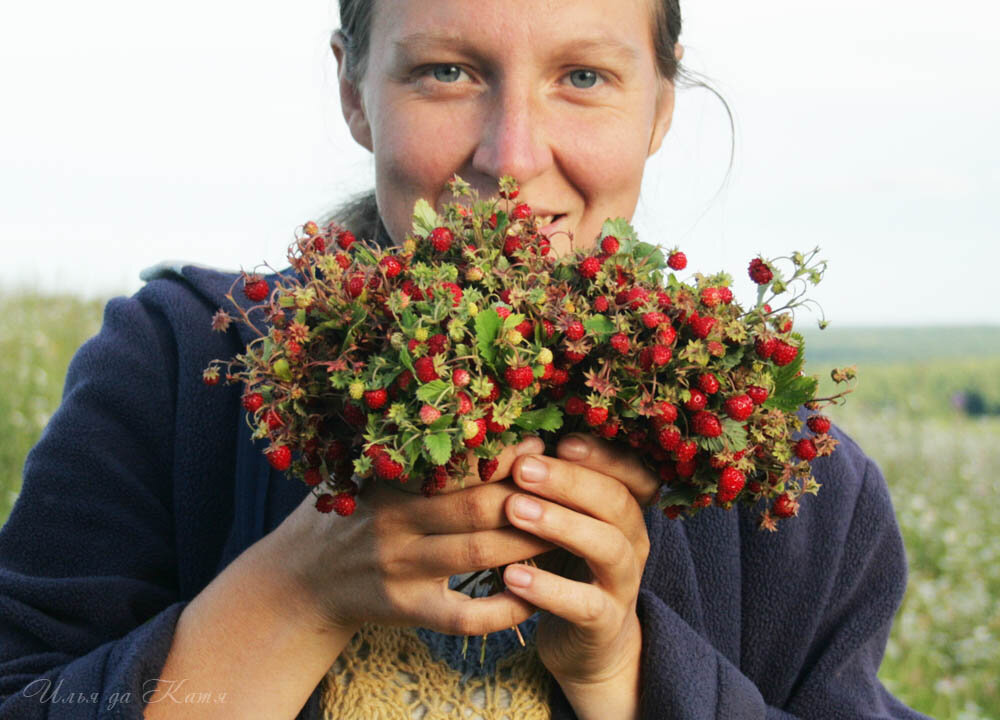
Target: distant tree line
x,y
972,403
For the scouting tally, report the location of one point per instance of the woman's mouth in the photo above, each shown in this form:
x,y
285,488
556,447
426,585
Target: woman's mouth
x,y
548,224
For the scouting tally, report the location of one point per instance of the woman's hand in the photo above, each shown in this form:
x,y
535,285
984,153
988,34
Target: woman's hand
x,y
587,501
390,561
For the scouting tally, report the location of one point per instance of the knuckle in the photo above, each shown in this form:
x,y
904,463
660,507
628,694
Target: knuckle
x,y
473,509
478,554
595,609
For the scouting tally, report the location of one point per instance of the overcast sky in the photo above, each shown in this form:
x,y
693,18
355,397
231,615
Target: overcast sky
x,y
207,131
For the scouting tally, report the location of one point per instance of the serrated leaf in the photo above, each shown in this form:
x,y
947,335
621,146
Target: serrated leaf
x,y
424,218
621,229
438,447
406,360
652,253
442,422
487,326
548,418
429,392
599,326
733,435
512,321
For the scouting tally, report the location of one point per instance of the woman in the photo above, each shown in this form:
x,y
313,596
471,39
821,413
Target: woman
x,y
233,597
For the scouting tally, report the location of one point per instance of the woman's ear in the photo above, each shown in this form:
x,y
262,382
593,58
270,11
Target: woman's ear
x,y
663,117
351,102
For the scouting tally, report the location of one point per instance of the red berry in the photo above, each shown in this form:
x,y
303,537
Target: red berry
x,y
634,298
345,239
759,272
619,341
487,467
464,404
669,438
685,468
652,319
757,394
520,212
355,285
575,405
575,330
665,412
255,288
425,369
784,353
559,377
519,377
549,328
686,452
706,424
460,377
784,506
806,449
343,261
511,245
731,481
702,326
589,267
280,457
595,415
739,407
253,402
437,343
313,477
441,238
677,260
503,312
666,334
375,399
391,266
726,294
480,435
819,424
710,296
429,414
661,354
494,390
404,379
765,347
610,245
708,383
387,468
698,400
609,429
601,304
273,420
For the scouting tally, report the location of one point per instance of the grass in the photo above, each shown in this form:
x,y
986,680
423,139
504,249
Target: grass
x,y
943,656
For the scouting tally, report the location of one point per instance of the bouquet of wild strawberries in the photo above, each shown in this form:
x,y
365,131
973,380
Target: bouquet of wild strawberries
x,y
419,363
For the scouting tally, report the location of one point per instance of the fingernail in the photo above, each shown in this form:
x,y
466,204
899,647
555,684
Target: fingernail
x,y
574,448
531,444
534,470
527,508
515,575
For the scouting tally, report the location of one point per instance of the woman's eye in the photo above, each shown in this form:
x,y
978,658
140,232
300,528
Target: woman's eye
x,y
583,79
446,73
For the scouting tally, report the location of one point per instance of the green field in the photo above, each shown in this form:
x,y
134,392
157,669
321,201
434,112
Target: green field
x,y
943,656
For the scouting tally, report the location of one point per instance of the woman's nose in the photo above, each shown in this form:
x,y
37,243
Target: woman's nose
x,y
513,139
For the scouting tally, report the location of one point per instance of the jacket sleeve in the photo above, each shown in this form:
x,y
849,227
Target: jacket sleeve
x,y
88,570
684,676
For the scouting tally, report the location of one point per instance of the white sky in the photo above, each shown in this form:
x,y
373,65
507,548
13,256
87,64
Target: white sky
x,y
206,131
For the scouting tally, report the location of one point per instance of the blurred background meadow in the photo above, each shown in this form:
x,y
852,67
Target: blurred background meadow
x,y
208,132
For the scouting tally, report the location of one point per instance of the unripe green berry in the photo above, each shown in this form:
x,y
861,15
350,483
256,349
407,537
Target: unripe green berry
x,y
421,334
357,390
544,356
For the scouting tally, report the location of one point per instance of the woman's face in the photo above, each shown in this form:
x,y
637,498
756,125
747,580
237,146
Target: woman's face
x,y
561,94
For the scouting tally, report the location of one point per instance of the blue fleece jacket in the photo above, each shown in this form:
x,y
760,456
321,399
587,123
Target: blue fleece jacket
x,y
145,485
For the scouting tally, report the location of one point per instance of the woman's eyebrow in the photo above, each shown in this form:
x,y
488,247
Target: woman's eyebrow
x,y
421,41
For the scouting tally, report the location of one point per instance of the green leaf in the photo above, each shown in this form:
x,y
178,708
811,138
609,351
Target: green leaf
x,y
599,326
404,357
487,326
653,253
621,229
791,389
282,370
438,447
733,435
442,422
425,219
429,392
548,418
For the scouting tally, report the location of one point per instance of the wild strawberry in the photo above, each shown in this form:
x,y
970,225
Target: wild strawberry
x,y
210,376
509,194
706,424
503,312
708,383
474,432
575,405
520,212
437,343
757,394
345,238
686,452
806,449
460,377
702,326
404,379
601,304
312,477
455,290
324,503
425,369
819,424
255,287
273,420
633,298
610,245
410,288
784,506
619,341
731,481
665,412
661,355
387,468
355,285
441,238
726,295
765,347
663,300
487,467
429,414
354,415
343,261
375,399
336,451
703,500
519,377
575,330
589,267
343,504
609,429
666,334
673,511
652,319
494,392
279,457
697,401
784,353
594,416
739,407
574,357
710,296
391,266
549,328
548,370
253,402
759,272
669,438
464,403
511,245
293,348
677,260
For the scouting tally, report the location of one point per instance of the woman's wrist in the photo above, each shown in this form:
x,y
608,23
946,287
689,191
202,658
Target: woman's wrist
x,y
612,698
